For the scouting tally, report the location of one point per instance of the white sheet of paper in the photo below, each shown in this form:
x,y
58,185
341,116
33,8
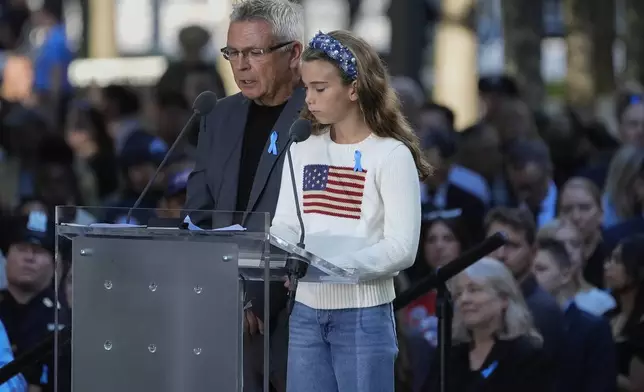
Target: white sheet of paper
x,y
231,228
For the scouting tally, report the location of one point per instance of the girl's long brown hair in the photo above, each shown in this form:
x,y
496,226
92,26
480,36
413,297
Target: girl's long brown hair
x,y
377,99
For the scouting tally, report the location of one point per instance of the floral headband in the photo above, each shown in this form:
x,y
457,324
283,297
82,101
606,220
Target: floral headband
x,y
337,52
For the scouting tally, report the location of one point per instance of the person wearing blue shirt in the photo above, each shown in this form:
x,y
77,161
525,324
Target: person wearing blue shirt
x,y
18,383
51,61
28,306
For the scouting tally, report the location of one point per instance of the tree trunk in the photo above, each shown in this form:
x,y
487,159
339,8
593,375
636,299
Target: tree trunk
x,y
455,61
408,30
602,14
102,37
523,30
580,87
635,39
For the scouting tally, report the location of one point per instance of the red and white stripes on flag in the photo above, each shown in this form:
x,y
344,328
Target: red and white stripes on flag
x,y
333,190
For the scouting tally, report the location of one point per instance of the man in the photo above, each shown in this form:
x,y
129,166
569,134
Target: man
x,y
192,73
494,91
439,193
479,156
588,359
529,171
518,254
56,182
237,168
28,306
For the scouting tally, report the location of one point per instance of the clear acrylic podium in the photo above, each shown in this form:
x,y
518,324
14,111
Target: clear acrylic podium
x,y
159,306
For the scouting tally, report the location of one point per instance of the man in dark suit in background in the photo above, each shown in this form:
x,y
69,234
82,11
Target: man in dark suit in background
x,y
441,197
529,172
518,255
240,152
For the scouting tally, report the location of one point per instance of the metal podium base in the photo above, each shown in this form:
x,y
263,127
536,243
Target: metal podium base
x,y
154,316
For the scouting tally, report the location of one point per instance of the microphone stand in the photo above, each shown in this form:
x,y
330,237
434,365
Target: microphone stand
x,y
296,265
444,307
444,314
35,354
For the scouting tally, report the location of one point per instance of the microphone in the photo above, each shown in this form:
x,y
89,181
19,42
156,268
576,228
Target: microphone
x,y
296,265
202,106
299,132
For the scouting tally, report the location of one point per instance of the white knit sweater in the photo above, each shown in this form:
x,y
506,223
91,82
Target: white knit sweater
x,y
368,220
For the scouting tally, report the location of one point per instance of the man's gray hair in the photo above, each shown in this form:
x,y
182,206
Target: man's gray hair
x,y
285,17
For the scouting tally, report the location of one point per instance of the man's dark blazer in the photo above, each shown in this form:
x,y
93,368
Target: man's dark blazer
x,y
472,210
614,234
546,314
213,182
587,361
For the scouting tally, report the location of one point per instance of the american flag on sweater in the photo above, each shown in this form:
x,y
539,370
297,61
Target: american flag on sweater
x,y
333,190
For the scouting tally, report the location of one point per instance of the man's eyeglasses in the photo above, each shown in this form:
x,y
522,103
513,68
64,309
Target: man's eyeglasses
x,y
251,53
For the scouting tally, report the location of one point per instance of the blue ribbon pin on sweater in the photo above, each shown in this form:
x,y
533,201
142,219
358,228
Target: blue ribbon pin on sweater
x,y
358,164
272,149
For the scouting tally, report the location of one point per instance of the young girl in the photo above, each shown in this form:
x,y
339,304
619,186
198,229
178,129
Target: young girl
x,y
358,186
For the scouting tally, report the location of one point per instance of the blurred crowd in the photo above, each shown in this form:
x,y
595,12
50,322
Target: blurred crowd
x,y
568,193
62,146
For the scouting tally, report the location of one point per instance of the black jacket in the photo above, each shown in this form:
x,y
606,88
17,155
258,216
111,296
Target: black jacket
x,y
587,360
547,315
512,365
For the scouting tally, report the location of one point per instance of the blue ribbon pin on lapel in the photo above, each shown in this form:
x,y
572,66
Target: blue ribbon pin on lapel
x,y
358,158
488,370
272,149
635,99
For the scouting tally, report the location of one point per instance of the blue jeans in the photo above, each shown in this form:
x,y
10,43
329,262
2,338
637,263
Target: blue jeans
x,y
346,350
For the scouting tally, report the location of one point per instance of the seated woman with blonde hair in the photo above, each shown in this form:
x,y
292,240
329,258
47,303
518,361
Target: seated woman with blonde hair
x,y
496,347
588,298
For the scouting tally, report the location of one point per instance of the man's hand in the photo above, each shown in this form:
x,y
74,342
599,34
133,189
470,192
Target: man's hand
x,y
252,324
